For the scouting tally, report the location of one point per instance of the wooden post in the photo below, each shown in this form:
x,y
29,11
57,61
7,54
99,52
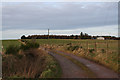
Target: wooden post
x,y
107,47
107,50
48,33
87,46
95,46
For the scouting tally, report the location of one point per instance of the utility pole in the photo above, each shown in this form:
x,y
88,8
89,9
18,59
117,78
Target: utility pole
x,y
48,33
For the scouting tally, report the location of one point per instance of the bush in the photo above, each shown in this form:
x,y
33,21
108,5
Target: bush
x,y
75,48
91,50
69,44
22,66
69,48
103,50
12,49
29,45
72,48
19,56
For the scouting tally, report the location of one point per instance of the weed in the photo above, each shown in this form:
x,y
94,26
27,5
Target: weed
x,y
20,66
29,45
53,69
12,49
19,56
72,48
91,50
69,44
103,50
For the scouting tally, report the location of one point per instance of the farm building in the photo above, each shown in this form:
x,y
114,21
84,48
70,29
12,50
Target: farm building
x,y
101,38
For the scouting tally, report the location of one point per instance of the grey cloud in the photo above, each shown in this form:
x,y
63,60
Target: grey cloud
x,y
58,16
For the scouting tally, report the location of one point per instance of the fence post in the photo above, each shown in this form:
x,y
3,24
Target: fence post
x,y
87,51
107,50
95,46
87,45
107,47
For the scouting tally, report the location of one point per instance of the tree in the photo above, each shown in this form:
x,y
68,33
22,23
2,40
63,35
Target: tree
x,y
72,36
76,37
86,34
81,34
23,37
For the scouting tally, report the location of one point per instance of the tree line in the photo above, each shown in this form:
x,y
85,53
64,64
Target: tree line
x,y
80,36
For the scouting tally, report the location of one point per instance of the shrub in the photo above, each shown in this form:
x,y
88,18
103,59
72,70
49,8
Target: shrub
x,y
72,48
29,45
69,48
91,50
103,50
69,44
31,54
12,49
19,56
23,66
75,48
81,47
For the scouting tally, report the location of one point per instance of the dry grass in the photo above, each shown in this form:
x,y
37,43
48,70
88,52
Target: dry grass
x,y
33,63
107,58
29,64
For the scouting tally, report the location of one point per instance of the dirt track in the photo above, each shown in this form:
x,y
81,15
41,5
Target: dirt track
x,y
71,70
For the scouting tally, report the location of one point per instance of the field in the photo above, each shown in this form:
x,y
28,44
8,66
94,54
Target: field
x,y
102,51
112,44
6,43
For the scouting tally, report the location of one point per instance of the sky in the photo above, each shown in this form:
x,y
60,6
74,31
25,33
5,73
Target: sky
x,y
62,18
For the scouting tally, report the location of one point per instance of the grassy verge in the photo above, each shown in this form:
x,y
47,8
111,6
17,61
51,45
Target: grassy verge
x,y
28,61
28,64
53,69
109,60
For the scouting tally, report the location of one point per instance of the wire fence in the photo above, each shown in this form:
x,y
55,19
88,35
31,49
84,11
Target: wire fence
x,y
106,47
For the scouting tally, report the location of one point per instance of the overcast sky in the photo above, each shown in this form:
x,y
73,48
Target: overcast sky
x,y
95,18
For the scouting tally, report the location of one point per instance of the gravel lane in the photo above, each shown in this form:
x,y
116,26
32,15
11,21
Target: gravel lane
x,y
99,70
69,69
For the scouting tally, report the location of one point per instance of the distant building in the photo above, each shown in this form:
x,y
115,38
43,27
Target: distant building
x,y
101,38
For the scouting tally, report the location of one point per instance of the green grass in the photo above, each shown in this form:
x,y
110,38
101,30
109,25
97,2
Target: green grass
x,y
101,44
53,69
112,44
6,43
110,58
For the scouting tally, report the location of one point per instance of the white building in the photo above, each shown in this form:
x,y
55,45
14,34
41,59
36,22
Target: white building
x,y
101,38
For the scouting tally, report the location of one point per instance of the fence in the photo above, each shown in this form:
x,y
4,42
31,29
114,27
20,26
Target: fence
x,y
105,46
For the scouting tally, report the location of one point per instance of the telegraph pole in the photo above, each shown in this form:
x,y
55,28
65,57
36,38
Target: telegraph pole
x,y
48,33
